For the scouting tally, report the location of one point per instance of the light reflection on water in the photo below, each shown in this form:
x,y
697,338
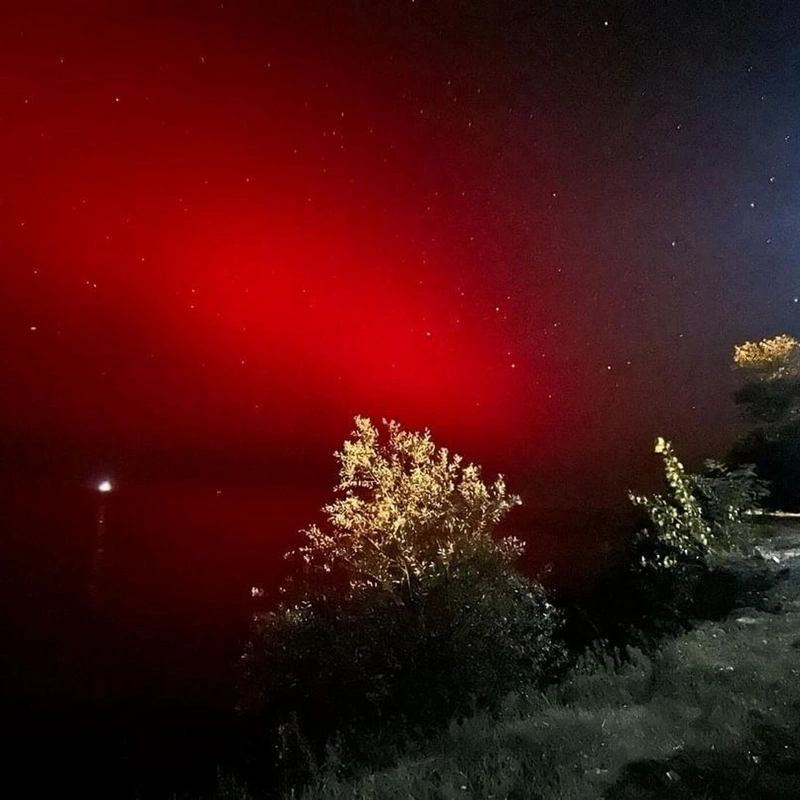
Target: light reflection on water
x,y
174,569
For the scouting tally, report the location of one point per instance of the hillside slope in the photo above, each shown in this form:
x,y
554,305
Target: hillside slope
x,y
715,714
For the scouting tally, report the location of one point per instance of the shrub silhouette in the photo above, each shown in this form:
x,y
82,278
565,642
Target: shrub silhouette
x,y
700,517
658,589
770,398
407,611
677,533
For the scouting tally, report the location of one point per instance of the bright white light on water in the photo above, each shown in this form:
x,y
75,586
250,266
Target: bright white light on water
x,y
104,486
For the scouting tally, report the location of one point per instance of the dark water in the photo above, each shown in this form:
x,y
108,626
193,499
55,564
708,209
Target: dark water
x,y
120,637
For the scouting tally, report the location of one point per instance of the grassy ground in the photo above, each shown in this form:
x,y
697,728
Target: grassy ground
x,y
715,714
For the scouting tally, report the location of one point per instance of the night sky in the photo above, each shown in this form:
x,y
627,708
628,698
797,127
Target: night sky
x,y
537,229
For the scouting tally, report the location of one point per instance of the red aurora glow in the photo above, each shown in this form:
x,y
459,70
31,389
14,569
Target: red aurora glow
x,y
212,246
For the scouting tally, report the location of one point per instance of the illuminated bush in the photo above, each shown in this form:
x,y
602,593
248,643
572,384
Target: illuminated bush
x,y
726,495
769,395
701,516
407,512
680,531
669,575
408,610
769,359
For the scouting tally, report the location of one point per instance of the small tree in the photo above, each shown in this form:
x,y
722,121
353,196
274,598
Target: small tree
x,y
726,496
702,516
770,396
662,584
408,610
408,512
680,531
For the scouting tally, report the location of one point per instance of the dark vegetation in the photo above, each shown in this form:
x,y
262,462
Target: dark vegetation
x,y
391,634
408,612
770,399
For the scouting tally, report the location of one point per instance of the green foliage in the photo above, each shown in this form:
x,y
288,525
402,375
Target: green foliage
x,y
698,519
679,532
726,495
669,578
769,359
407,512
408,611
702,516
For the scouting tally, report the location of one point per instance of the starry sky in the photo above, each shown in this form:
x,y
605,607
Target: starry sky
x,y
536,228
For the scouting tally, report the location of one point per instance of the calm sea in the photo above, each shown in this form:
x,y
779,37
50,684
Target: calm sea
x,y
165,571
124,614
